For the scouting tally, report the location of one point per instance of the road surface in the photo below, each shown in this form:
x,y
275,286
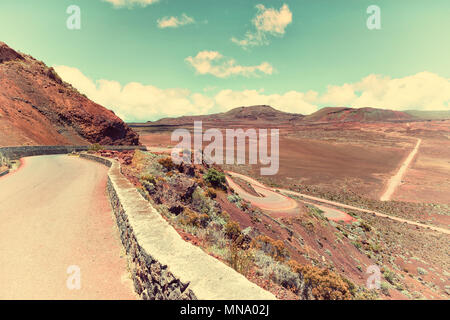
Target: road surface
x,y
395,181
271,200
54,213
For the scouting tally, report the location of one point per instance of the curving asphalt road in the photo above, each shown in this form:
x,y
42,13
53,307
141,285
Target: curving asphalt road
x,y
54,213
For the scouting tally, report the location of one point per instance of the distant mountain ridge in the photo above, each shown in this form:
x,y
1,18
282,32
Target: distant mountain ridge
x,y
38,108
262,113
429,115
268,114
342,114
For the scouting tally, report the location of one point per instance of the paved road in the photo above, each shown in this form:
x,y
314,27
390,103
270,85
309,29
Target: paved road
x,y
54,213
395,181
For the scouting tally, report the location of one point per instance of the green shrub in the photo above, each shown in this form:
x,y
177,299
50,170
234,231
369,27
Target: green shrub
x,y
277,271
385,288
215,178
389,276
95,147
202,203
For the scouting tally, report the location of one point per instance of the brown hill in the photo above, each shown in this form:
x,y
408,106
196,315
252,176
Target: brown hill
x,y
340,114
258,114
38,108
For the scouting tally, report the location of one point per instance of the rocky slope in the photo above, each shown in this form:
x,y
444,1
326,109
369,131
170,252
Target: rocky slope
x,y
38,108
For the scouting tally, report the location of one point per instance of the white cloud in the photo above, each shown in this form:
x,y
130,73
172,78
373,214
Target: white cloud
x,y
138,102
292,101
268,21
212,62
422,91
175,22
135,101
131,3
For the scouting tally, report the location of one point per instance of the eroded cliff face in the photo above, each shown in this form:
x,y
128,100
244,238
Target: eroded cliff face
x,y
38,108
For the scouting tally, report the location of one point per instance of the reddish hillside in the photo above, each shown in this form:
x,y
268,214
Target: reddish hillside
x,y
340,114
38,108
258,114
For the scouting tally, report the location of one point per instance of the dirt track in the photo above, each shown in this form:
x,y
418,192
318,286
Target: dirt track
x,y
255,183
54,214
395,181
273,201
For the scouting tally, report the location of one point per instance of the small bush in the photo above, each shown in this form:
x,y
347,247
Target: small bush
x,y
215,178
234,198
324,284
190,217
211,193
389,276
202,203
149,178
167,163
240,260
95,147
274,248
385,288
278,272
232,230
225,215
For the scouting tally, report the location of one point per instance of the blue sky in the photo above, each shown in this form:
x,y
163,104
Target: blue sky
x,y
308,54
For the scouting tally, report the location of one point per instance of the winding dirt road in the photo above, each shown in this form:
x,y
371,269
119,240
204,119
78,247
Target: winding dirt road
x,y
323,206
271,200
54,213
395,181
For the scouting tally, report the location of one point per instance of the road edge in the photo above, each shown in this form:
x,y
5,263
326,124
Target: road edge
x,y
163,265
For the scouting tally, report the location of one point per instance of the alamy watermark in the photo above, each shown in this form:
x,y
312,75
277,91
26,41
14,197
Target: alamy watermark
x,y
73,22
374,20
73,282
231,150
374,279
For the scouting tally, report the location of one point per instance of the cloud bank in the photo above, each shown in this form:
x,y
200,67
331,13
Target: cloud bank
x,y
214,63
268,21
138,102
175,22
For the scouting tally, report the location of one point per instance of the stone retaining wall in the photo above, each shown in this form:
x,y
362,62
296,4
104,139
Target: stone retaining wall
x,y
163,265
4,172
15,153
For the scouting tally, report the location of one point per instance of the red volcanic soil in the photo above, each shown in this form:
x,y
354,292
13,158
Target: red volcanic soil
x,y
310,155
329,164
428,178
38,108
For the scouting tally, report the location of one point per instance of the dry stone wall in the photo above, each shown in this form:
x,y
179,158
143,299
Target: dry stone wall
x,y
163,265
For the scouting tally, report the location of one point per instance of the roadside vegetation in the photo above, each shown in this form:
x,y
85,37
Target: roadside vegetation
x,y
191,198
